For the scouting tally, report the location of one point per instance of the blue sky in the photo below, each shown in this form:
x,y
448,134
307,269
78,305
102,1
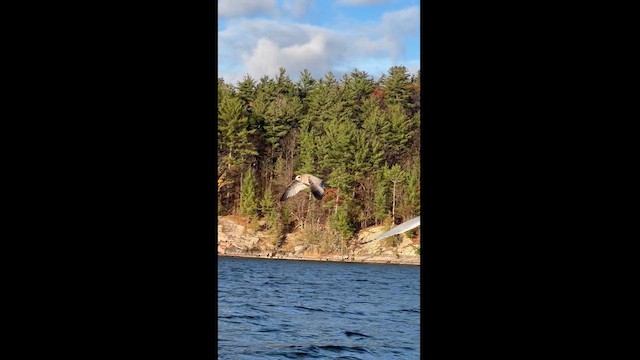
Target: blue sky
x,y
256,37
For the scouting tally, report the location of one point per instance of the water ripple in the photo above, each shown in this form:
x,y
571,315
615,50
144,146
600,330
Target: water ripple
x,y
286,309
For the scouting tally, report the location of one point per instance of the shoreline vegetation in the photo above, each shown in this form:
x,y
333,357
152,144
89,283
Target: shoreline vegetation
x,y
361,135
238,238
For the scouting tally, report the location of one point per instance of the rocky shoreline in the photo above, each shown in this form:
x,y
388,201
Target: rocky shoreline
x,y
378,260
237,239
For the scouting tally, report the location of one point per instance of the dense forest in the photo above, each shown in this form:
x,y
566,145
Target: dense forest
x,y
360,135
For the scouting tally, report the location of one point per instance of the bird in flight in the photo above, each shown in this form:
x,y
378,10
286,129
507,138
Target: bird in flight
x,y
301,182
405,226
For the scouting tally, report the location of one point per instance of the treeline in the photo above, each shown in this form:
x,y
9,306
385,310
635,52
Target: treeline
x,y
360,135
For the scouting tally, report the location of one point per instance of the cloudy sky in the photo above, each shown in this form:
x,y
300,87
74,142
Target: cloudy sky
x,y
257,37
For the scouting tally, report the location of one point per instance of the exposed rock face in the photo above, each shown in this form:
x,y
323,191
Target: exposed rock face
x,y
236,237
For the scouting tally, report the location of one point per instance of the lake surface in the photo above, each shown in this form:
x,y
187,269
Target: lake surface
x,y
284,309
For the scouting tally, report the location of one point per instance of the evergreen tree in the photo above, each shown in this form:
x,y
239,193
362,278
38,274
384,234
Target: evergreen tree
x,y
304,87
341,222
341,131
413,191
284,85
247,92
414,87
234,132
248,197
381,198
267,87
396,86
339,141
280,126
395,175
367,156
307,159
376,124
268,208
415,140
399,133
224,90
324,105
357,86
283,172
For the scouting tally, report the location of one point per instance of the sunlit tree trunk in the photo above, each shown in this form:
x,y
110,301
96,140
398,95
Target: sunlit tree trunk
x,y
393,206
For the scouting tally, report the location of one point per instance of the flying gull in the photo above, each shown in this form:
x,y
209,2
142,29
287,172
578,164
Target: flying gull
x,y
301,182
405,226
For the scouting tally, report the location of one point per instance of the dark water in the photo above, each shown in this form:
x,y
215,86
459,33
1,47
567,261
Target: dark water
x,y
280,309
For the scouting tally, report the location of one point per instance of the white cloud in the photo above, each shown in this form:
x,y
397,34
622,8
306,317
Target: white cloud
x,y
297,8
229,8
405,21
263,46
268,57
260,47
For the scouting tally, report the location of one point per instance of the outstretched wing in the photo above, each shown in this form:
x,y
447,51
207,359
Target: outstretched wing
x,y
405,226
317,191
293,188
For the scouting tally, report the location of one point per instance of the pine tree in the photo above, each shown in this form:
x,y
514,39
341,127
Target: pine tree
x,y
284,85
235,148
247,92
304,87
342,131
338,144
399,133
357,86
307,157
283,172
234,132
395,175
224,90
381,198
268,208
324,105
414,87
342,181
376,124
248,197
396,87
410,206
342,224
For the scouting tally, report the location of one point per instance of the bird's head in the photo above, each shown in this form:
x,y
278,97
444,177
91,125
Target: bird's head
x,y
298,177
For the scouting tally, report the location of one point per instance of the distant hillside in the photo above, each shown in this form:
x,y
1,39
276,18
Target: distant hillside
x,y
360,135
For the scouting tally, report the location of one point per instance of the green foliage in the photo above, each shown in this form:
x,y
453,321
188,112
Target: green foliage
x,y
381,199
397,88
248,199
338,149
283,84
247,91
233,132
357,86
412,198
307,157
268,209
341,222
360,135
398,134
305,84
396,173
